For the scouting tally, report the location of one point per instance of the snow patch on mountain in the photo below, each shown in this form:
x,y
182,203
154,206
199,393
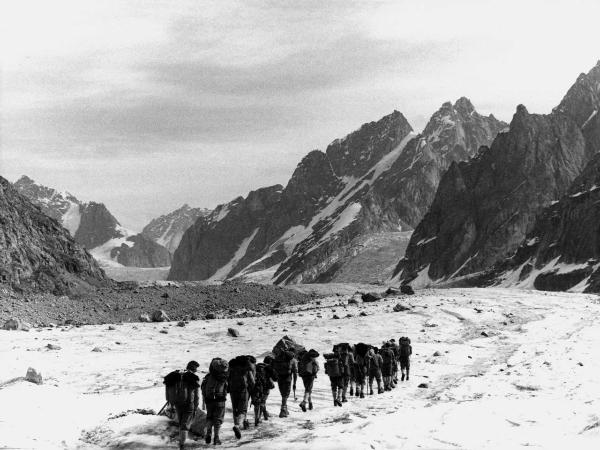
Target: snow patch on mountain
x,y
224,271
72,218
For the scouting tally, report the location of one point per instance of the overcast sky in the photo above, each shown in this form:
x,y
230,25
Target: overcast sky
x,y
145,105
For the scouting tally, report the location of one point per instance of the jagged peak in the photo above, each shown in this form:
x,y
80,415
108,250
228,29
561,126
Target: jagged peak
x,y
25,180
463,104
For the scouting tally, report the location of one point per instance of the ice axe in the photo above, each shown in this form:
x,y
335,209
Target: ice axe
x,y
162,409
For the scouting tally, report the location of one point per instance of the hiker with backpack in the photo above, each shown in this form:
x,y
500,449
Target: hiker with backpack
x,y
286,367
214,393
241,384
347,364
334,370
396,350
375,370
362,367
308,367
182,392
405,352
387,354
264,382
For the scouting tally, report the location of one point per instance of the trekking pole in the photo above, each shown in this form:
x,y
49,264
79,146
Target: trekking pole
x,y
162,409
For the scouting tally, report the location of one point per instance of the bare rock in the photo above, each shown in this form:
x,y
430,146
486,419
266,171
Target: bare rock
x,y
12,324
144,317
160,316
34,376
181,323
423,385
233,332
211,316
53,347
400,307
407,289
436,353
371,297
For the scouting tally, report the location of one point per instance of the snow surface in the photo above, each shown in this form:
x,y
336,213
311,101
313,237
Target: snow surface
x,y
72,218
222,273
533,383
102,252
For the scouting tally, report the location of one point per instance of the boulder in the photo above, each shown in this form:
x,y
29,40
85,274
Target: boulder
x,y
371,297
392,291
211,316
354,300
407,289
12,324
233,332
53,347
423,385
144,317
400,307
436,353
181,323
97,350
160,316
34,376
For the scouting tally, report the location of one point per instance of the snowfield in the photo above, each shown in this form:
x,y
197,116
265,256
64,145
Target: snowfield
x,y
531,382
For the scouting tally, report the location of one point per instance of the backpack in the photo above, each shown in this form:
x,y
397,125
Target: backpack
x,y
239,368
177,390
388,356
345,363
214,388
405,348
282,364
262,382
219,368
332,367
362,364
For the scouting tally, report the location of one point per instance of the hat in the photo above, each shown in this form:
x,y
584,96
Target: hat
x,y
192,365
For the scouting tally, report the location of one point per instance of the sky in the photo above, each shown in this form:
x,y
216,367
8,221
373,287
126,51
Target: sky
x,y
146,105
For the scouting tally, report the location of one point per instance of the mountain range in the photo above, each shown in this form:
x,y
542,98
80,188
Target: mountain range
x,y
522,211
378,180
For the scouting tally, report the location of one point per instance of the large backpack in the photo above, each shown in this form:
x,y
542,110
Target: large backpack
x,y
219,368
333,367
405,348
388,355
177,390
282,364
214,388
262,382
239,369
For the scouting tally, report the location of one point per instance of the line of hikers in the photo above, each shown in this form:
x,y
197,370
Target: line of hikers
x,y
351,369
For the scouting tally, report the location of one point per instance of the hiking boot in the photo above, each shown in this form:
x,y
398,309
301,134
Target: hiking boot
x,y
351,392
402,379
380,391
337,402
208,438
237,432
344,399
217,441
256,422
310,406
303,406
362,395
246,424
357,392
371,391
266,414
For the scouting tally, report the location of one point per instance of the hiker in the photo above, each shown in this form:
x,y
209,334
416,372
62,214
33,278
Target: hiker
x,y
181,389
362,366
214,393
405,352
352,380
241,384
387,354
334,370
263,383
396,350
347,364
375,370
286,367
308,367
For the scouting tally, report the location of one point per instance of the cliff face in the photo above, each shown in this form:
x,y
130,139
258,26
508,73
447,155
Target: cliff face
x,y
139,251
167,230
378,179
37,253
484,208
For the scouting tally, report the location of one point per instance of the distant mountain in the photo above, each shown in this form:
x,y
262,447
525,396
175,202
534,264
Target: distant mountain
x,y
378,179
37,253
167,230
93,226
485,208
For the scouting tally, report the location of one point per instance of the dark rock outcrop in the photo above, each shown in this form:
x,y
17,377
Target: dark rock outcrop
x,y
484,208
140,251
97,226
37,253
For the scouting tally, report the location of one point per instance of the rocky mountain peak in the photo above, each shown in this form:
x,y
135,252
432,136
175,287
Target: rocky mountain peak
x,y
582,100
355,154
464,106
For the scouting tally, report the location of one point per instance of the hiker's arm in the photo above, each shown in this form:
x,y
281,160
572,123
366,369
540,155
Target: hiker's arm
x,y
196,399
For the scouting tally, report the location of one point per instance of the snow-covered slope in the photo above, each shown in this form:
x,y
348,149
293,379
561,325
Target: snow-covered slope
x,y
93,226
532,382
167,230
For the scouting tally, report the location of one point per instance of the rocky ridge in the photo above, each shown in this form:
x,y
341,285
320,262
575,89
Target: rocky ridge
x,y
485,208
379,178
93,226
37,253
167,230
